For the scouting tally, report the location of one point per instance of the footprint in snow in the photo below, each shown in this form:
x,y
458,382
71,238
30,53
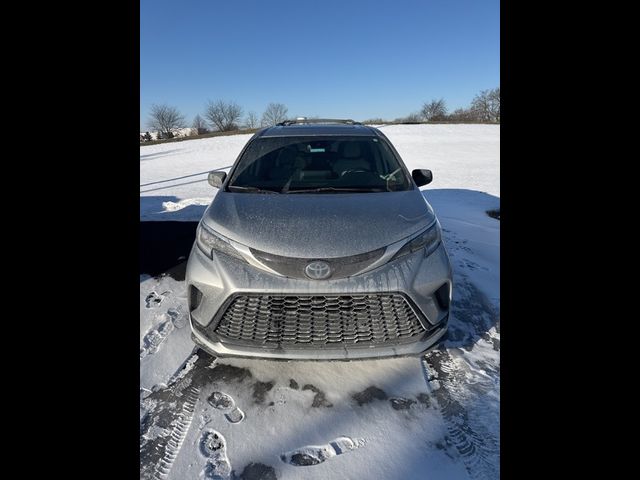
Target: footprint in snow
x,y
315,454
154,299
227,405
399,403
154,338
177,316
214,448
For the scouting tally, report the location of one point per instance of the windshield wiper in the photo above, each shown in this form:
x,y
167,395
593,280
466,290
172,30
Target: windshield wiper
x,y
239,188
335,189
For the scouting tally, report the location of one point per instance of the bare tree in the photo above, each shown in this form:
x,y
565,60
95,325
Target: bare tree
x,y
373,121
252,120
434,110
463,115
494,98
411,118
223,116
274,114
199,125
165,118
486,105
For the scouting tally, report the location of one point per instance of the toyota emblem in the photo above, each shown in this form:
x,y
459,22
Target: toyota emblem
x,y
318,270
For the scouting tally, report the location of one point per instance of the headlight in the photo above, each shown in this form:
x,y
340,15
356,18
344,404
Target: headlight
x,y
208,241
429,240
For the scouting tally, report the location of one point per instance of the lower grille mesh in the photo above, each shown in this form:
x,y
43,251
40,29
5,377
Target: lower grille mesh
x,y
319,320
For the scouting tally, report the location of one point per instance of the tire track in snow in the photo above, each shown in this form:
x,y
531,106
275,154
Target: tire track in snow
x,y
473,316
461,391
178,434
463,409
168,416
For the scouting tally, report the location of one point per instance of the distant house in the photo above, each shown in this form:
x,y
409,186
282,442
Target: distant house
x,y
184,132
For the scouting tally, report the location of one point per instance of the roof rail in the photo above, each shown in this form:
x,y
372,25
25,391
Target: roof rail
x,y
302,120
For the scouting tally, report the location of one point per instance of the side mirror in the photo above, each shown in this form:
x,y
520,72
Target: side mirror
x,y
216,179
422,177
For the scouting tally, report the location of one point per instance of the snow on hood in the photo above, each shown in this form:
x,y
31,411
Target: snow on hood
x,y
318,225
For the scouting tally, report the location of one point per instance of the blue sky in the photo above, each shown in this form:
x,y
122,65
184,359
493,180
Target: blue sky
x,y
346,59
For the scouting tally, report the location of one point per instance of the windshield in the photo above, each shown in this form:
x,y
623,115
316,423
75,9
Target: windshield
x,y
318,164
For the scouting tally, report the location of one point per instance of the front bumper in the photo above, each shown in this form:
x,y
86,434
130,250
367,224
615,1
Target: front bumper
x,y
421,279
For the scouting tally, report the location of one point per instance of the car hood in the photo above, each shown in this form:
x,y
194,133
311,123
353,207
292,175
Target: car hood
x,y
318,225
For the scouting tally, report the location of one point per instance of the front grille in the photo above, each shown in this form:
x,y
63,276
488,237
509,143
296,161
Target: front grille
x,y
341,267
273,321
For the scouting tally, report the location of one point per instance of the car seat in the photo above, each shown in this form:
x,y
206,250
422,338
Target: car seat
x,y
352,158
285,164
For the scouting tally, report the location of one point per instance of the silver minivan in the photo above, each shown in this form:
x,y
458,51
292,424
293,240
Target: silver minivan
x,y
318,245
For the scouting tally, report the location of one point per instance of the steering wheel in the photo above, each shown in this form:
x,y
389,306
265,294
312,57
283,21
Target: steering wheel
x,y
354,170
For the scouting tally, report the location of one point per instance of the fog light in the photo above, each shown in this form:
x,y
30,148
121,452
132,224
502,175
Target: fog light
x,y
443,296
195,297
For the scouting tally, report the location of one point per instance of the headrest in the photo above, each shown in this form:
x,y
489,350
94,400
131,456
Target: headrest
x,y
300,163
287,156
351,150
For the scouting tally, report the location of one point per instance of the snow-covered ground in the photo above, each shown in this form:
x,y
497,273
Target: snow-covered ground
x,y
433,417
173,176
